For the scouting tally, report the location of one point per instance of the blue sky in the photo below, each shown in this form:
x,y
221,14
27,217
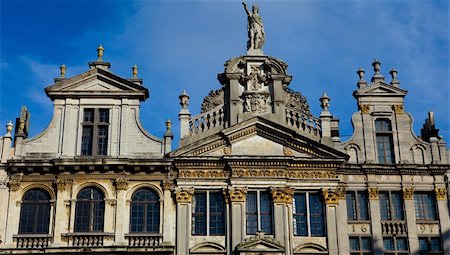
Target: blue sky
x,y
184,44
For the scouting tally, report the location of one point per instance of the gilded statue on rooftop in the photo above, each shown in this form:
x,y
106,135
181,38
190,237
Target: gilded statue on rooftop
x,y
256,37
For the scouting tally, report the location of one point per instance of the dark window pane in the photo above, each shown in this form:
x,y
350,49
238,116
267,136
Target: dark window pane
x,y
351,205
402,244
397,206
137,217
35,212
425,206
89,210
251,213
86,141
316,215
102,140
199,214
435,244
363,206
388,243
385,211
216,213
354,243
423,244
103,115
266,213
366,243
88,115
300,225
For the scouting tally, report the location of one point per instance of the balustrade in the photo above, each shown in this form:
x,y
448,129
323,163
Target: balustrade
x,y
206,121
32,241
143,240
393,227
303,122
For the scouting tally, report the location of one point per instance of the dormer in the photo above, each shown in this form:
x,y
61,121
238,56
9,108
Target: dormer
x,y
96,114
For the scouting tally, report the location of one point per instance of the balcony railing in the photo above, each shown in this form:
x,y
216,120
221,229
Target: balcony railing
x,y
32,241
393,227
301,121
143,240
87,239
206,121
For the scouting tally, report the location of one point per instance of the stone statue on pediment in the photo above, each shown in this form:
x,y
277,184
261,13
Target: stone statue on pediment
x,y
256,36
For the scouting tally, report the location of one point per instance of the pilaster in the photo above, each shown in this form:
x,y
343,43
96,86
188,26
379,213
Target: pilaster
x,y
169,218
121,185
237,199
12,224
342,233
331,198
282,201
444,222
61,211
183,198
410,213
374,207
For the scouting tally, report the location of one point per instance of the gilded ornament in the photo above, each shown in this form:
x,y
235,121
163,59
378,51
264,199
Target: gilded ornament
x,y
441,193
184,195
287,152
373,193
227,150
121,183
341,192
282,194
408,193
364,108
237,194
330,196
398,108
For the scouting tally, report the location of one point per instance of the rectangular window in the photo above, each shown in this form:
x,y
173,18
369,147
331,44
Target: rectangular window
x,y
430,245
94,138
425,206
395,245
357,205
308,215
259,212
385,144
391,205
360,245
208,213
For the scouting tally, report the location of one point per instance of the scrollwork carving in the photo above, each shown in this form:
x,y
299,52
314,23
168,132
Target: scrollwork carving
x,y
184,195
330,196
167,184
408,193
237,194
296,101
212,100
14,184
282,194
62,184
441,193
398,108
373,193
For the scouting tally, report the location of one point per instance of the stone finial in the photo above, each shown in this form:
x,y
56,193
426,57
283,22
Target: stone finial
x,y
360,73
62,71
9,127
394,81
325,102
100,51
168,125
135,71
184,99
376,66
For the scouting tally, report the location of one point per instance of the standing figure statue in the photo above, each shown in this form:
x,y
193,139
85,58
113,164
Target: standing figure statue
x,y
256,37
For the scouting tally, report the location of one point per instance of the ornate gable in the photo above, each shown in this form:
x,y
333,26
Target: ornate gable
x,y
260,243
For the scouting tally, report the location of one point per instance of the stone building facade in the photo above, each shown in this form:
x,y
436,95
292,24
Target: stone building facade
x,y
255,172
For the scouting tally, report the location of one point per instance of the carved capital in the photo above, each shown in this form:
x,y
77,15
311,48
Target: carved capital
x,y
121,183
14,184
287,152
340,192
282,194
184,195
62,184
441,193
398,108
237,194
167,184
408,193
373,193
330,196
364,108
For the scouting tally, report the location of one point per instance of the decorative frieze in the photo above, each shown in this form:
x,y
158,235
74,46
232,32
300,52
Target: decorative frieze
x,y
441,193
282,194
62,184
373,193
408,193
203,174
237,194
364,108
184,195
14,184
398,108
121,183
330,196
283,174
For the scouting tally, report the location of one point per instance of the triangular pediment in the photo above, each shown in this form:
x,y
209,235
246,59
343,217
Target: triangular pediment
x,y
96,83
260,243
381,88
259,137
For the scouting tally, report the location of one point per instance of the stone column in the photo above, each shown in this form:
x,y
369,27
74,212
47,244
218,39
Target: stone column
x,y
410,213
169,232
121,193
237,198
444,222
375,218
282,198
184,210
343,241
61,211
235,102
331,198
12,223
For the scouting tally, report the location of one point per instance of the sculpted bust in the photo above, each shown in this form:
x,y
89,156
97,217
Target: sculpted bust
x,y
256,37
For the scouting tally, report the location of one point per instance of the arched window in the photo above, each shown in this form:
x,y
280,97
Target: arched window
x,y
145,211
385,145
89,210
35,212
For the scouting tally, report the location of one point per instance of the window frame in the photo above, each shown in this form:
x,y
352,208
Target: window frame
x,y
146,204
360,251
421,208
259,213
396,251
428,239
386,136
208,214
95,124
357,206
37,205
308,215
391,208
92,203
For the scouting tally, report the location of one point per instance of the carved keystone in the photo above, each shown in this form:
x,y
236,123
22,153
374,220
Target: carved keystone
x,y
282,194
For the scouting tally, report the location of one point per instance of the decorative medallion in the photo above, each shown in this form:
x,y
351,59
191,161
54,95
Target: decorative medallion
x,y
441,193
256,103
408,193
121,183
330,196
282,194
373,193
237,194
184,195
364,108
398,108
14,184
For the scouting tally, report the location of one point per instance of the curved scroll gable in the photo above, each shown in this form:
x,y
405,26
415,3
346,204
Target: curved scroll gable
x,y
212,100
296,101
